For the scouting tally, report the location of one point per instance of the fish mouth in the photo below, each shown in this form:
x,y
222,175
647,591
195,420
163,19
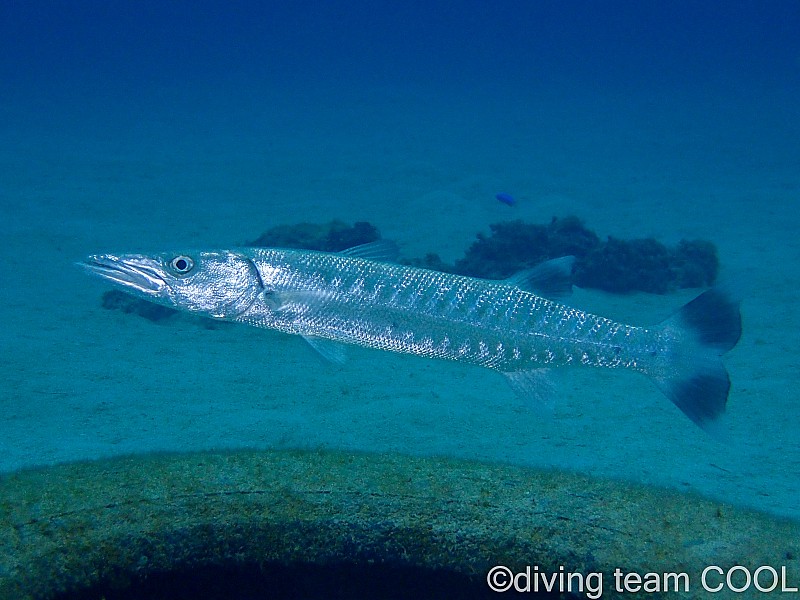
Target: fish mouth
x,y
137,273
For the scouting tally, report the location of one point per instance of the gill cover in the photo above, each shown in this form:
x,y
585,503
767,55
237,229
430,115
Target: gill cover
x,y
220,284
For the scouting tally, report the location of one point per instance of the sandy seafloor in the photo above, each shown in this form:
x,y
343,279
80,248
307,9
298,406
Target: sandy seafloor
x,y
199,165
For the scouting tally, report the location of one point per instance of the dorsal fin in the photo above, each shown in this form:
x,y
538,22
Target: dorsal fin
x,y
380,250
551,279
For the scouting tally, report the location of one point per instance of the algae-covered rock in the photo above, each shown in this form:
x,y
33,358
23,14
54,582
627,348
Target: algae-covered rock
x,y
614,265
103,528
517,245
646,265
624,266
695,263
511,247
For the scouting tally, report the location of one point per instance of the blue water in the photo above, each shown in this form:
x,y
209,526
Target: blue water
x,y
159,125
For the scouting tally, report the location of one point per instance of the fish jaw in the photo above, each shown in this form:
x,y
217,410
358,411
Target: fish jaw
x,y
140,274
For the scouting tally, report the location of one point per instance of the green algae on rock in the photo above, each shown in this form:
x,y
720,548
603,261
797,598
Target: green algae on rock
x,y
83,526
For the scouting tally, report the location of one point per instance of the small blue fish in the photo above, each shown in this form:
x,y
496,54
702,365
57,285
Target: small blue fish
x,y
506,198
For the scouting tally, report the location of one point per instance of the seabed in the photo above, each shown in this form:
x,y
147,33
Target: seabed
x,y
75,530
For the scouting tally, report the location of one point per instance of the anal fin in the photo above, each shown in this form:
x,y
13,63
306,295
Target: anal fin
x,y
533,384
330,350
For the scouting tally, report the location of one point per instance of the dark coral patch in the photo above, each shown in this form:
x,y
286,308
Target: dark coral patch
x,y
613,265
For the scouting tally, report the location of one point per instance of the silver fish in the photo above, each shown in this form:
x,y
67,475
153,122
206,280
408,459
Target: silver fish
x,y
358,297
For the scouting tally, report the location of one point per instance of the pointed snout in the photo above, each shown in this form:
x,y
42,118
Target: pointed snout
x,y
133,272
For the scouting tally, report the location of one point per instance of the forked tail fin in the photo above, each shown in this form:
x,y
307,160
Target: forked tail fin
x,y
695,378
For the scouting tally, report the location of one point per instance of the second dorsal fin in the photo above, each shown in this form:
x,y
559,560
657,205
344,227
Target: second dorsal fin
x,y
551,279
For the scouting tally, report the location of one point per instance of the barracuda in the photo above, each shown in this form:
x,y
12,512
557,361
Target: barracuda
x,y
358,297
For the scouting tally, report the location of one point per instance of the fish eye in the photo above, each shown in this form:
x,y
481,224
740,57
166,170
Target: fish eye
x,y
182,264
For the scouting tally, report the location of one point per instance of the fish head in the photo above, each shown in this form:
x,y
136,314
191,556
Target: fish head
x,y
220,284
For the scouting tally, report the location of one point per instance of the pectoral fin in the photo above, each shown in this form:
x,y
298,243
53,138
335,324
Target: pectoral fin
x,y
292,304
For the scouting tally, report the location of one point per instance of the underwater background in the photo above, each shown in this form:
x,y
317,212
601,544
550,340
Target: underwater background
x,y
151,126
